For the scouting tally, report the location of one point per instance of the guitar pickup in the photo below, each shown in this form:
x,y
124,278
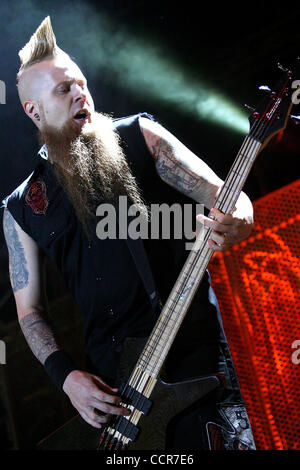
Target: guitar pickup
x,y
127,429
134,398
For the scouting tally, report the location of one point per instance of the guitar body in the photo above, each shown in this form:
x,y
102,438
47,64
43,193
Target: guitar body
x,y
169,399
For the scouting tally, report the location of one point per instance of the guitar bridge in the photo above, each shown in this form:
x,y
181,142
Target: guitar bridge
x,y
118,435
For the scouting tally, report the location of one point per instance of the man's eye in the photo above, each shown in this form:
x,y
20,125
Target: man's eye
x,y
64,90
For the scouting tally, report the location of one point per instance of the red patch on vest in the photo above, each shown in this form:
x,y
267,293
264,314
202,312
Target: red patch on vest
x,y
36,197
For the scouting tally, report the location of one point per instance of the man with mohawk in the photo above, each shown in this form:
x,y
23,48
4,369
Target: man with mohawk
x,y
86,159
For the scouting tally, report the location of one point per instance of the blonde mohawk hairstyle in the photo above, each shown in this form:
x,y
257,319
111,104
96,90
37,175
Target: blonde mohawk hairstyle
x,y
41,46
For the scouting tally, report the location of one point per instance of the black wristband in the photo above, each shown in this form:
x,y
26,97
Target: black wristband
x,y
58,365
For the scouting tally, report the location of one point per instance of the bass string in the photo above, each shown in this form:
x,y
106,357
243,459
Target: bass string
x,y
153,344
170,313
115,422
261,125
166,319
238,175
194,266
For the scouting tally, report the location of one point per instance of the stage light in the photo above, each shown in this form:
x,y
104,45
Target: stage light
x,y
148,72
145,68
136,63
257,283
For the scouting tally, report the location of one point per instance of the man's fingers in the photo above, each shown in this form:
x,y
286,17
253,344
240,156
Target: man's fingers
x,y
225,219
104,402
93,398
90,419
218,238
109,409
221,236
101,418
103,393
213,224
100,395
92,416
216,246
103,385
226,229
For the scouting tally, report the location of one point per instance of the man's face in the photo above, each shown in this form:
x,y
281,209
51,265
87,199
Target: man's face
x,y
63,96
87,157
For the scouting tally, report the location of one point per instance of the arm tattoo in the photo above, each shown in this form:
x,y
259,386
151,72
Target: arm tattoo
x,y
39,335
17,260
174,172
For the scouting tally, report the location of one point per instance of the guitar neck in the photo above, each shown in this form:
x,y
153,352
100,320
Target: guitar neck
x,y
181,296
237,175
267,119
270,117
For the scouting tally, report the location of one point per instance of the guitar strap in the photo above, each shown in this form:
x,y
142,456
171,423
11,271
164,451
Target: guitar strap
x,y
140,258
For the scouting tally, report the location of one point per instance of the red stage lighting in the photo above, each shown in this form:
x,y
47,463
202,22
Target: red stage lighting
x,y
258,286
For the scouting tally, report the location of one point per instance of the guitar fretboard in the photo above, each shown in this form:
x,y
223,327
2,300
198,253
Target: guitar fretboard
x,y
181,296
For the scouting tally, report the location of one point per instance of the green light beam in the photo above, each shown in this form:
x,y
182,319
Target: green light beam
x,y
145,70
141,66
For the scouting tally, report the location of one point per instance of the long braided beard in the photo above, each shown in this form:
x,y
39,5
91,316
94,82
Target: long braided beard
x,y
91,167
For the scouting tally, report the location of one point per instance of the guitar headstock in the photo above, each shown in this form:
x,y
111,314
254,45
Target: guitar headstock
x,y
272,113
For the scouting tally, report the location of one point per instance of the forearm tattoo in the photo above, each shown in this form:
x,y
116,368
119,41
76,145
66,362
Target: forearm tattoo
x,y
174,172
17,261
39,335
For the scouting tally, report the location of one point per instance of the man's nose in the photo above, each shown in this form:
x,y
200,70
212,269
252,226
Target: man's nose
x,y
78,93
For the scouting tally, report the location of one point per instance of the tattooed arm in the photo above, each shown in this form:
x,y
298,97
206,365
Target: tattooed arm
x,y
26,276
86,392
183,170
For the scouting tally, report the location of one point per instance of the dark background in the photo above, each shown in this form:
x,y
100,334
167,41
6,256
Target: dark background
x,y
232,47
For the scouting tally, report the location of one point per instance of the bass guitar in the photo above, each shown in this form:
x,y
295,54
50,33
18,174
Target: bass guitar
x,y
141,378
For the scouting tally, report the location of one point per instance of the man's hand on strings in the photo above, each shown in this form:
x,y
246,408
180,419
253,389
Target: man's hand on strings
x,y
89,394
229,229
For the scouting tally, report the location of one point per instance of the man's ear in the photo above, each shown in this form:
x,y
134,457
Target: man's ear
x,y
32,111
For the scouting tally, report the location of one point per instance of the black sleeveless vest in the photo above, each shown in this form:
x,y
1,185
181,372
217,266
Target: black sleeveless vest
x,y
102,275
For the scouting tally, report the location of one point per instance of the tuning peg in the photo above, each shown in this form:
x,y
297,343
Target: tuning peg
x,y
265,88
284,69
294,118
268,90
249,107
